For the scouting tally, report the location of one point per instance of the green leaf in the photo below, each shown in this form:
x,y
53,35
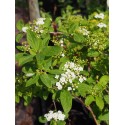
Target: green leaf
x,y
93,53
66,100
52,122
18,56
47,63
61,122
19,37
104,117
45,78
56,95
45,94
83,89
89,99
79,38
99,102
51,50
33,41
42,119
56,71
32,81
25,59
72,27
17,99
20,94
20,24
104,80
106,98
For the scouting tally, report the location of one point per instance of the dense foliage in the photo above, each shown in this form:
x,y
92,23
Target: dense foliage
x,y
68,59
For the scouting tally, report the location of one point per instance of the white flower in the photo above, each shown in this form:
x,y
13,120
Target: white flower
x,y
24,29
55,116
48,117
57,76
99,16
62,45
59,86
84,78
70,80
72,65
85,32
81,79
61,117
61,41
57,83
66,66
80,69
30,74
62,55
40,21
50,112
69,88
101,25
41,31
62,79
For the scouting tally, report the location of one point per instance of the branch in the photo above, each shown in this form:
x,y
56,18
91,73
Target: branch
x,y
90,109
34,9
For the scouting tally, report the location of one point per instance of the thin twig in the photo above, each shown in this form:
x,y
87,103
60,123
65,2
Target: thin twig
x,y
90,109
54,105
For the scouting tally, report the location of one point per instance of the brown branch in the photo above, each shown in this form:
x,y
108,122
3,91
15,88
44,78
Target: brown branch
x,y
33,9
90,109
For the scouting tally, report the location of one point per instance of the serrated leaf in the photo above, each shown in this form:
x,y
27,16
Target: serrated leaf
x,y
66,100
32,81
89,99
42,119
51,50
20,24
19,37
25,59
45,78
99,102
83,89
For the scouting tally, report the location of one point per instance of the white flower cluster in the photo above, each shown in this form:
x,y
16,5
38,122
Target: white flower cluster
x,y
54,115
40,21
24,29
72,72
101,25
83,31
100,16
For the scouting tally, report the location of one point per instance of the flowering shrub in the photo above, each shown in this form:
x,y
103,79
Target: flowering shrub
x,y
71,63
